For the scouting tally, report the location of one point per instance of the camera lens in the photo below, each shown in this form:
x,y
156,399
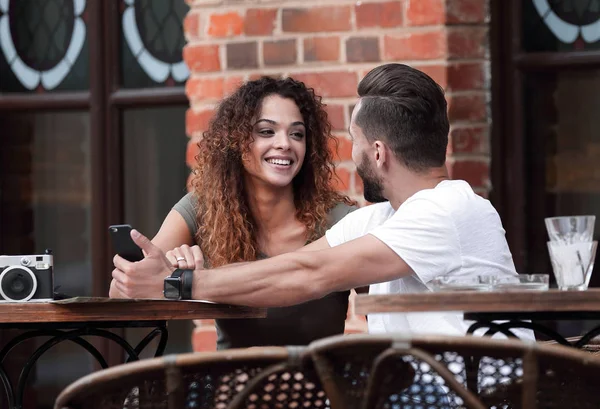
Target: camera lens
x,y
17,283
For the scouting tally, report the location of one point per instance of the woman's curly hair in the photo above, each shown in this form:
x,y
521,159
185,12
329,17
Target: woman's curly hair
x,y
227,232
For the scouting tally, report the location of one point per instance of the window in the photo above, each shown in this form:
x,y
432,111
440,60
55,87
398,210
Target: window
x,y
545,70
92,113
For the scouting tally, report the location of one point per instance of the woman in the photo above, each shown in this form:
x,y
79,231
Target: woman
x,y
262,187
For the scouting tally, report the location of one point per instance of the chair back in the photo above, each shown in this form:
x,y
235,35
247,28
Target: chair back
x,y
205,380
387,371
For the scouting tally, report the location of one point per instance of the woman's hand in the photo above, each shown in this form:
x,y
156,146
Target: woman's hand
x,y
186,257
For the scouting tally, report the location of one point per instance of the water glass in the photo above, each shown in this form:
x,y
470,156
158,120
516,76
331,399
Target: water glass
x,y
572,263
570,229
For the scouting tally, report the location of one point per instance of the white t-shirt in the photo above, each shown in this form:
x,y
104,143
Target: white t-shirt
x,y
447,230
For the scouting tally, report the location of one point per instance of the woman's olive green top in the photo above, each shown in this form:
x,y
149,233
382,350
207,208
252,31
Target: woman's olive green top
x,y
296,325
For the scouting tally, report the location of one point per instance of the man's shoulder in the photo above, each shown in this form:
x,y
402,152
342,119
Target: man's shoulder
x,y
450,196
380,211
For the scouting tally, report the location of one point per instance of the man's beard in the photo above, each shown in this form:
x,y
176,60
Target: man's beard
x,y
373,186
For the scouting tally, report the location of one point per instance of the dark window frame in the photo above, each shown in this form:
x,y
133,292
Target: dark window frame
x,y
105,101
514,191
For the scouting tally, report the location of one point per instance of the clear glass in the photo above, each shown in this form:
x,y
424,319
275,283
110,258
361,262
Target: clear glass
x,y
572,263
522,282
155,176
570,229
477,283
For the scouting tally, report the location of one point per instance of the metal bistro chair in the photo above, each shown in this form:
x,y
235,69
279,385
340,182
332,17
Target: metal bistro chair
x,y
399,372
254,378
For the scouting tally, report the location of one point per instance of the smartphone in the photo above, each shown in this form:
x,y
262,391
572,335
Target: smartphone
x,y
123,243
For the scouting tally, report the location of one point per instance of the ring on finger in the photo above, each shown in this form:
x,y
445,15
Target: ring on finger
x,y
180,259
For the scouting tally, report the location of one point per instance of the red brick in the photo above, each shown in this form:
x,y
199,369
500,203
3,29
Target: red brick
x,y
225,25
330,84
191,25
282,52
341,181
467,42
425,12
191,152
469,140
204,340
202,88
242,55
259,22
231,84
465,11
197,121
439,73
466,108
419,46
335,114
316,19
466,76
388,14
343,151
322,49
259,75
476,173
202,58
362,49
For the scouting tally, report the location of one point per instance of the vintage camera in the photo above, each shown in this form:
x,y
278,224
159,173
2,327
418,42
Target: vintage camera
x,y
26,278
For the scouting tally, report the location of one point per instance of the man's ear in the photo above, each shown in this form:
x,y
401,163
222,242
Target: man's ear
x,y
381,154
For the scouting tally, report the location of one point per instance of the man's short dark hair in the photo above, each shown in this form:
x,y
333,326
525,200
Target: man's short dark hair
x,y
407,109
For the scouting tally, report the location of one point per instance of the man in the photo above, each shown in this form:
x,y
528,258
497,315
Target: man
x,y
422,226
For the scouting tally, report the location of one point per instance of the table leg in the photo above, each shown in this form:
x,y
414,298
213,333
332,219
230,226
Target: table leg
x,y
506,327
15,397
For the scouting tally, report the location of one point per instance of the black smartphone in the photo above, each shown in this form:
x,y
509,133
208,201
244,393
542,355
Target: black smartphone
x,y
123,243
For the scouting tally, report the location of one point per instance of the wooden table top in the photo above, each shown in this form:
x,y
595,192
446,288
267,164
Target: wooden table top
x,y
488,301
87,309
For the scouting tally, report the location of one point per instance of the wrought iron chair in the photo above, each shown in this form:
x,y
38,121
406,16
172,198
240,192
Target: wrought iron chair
x,y
206,380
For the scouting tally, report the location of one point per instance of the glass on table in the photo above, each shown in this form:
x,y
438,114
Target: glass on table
x,y
462,283
570,229
522,282
572,263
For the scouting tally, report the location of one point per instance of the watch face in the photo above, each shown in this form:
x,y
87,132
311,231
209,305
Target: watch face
x,y
171,288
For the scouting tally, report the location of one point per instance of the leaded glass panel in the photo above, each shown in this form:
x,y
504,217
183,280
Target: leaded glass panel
x,y
152,41
43,45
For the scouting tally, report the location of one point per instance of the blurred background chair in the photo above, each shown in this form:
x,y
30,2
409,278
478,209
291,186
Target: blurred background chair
x,y
201,380
394,372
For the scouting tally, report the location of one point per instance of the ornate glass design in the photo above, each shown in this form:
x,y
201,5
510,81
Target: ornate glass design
x,y
153,32
41,40
571,21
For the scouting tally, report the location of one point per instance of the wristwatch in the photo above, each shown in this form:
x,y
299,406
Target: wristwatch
x,y
178,286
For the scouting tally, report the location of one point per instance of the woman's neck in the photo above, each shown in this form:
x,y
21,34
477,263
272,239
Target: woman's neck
x,y
271,207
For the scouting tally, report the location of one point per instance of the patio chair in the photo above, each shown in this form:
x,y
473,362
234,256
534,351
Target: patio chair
x,y
373,372
201,380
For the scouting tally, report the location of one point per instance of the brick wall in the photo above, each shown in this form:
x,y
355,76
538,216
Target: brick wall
x,y
330,45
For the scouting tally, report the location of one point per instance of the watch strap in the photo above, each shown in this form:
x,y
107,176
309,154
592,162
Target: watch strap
x,y
187,279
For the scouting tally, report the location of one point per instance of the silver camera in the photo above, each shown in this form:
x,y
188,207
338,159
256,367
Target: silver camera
x,y
26,278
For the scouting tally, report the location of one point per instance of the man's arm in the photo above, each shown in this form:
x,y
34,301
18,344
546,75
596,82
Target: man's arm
x,y
288,279
301,276
320,244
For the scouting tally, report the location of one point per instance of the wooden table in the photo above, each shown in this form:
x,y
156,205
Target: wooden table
x,y
518,308
71,319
